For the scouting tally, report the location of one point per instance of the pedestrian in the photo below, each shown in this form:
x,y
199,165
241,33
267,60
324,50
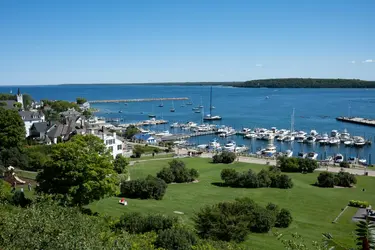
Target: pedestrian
x,y
22,189
29,186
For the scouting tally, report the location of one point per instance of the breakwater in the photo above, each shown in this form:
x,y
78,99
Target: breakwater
x,y
141,100
357,120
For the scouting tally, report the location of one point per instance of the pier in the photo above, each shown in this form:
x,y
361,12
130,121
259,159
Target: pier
x,y
141,100
357,120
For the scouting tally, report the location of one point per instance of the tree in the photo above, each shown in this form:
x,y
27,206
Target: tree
x,y
148,188
326,179
5,191
17,105
176,239
344,164
224,157
229,176
365,233
46,225
283,218
120,163
7,97
284,181
14,157
80,100
19,199
264,178
12,129
79,172
130,131
27,101
166,174
138,151
345,179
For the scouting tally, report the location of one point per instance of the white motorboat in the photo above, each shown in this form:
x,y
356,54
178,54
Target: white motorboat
x,y
334,141
250,135
269,150
335,133
164,133
310,139
344,136
300,138
289,138
349,142
338,158
214,144
324,139
328,159
352,160
362,161
268,137
246,130
230,146
182,142
241,148
288,153
313,132
359,141
202,146
175,125
312,155
302,155
281,138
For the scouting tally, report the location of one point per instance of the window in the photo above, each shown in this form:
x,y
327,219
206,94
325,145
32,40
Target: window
x,y
113,141
107,142
119,147
111,148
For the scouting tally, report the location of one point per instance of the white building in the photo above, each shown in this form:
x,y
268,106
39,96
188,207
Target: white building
x,y
112,142
20,98
29,118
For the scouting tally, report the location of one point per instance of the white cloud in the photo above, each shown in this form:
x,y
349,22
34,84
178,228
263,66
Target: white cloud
x,y
368,61
353,62
259,65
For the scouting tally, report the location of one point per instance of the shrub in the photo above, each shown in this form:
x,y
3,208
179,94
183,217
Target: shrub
x,y
232,221
293,164
283,218
19,199
136,223
224,157
344,164
149,188
326,179
138,151
177,172
250,179
176,239
355,203
120,163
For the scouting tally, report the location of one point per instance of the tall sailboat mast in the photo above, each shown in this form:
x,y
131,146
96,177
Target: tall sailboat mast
x,y
292,122
211,101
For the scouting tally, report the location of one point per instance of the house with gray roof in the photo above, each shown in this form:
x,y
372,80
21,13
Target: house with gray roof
x,y
31,117
8,104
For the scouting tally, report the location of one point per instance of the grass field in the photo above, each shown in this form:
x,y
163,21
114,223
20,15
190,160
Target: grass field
x,y
148,157
312,208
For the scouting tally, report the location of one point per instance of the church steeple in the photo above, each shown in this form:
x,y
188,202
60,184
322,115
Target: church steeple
x,y
18,92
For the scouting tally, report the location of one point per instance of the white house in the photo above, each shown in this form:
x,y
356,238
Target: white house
x,y
112,142
29,118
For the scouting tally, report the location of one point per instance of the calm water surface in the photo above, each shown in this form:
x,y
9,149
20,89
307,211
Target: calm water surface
x,y
239,107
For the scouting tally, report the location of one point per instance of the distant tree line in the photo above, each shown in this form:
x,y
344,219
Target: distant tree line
x,y
306,83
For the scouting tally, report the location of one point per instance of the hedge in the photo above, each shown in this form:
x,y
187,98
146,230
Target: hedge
x,y
362,204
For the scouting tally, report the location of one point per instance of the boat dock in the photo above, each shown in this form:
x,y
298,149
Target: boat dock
x,y
357,120
186,136
141,100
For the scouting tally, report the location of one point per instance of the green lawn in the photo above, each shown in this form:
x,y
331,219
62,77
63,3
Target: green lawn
x,y
313,208
148,157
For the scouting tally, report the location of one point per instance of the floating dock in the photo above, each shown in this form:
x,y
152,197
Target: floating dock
x,y
357,120
141,100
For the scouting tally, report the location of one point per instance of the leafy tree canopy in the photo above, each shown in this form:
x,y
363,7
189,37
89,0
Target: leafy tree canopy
x,y
81,100
12,129
131,131
79,172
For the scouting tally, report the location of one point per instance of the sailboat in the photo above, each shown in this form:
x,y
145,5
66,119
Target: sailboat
x,y
210,117
201,106
152,115
189,102
161,104
172,109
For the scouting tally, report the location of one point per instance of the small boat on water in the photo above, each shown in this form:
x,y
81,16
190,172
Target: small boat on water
x,y
338,158
301,155
214,144
151,115
250,135
268,137
230,146
359,141
312,155
280,137
120,111
349,142
210,117
172,109
310,139
241,148
163,133
344,136
352,160
324,139
362,161
269,150
175,125
334,141
313,132
288,153
289,138
335,133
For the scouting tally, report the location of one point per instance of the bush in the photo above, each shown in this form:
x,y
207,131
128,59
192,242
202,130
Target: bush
x,y
136,223
138,151
232,221
343,179
5,191
293,164
176,239
326,179
250,179
283,218
224,157
120,163
177,172
344,164
355,203
19,199
149,188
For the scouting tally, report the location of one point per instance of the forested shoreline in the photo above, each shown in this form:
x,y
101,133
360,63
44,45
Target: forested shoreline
x,y
306,83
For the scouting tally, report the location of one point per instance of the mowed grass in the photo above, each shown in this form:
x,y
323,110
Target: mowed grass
x,y
313,209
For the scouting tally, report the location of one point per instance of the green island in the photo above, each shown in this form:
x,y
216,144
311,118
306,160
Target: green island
x,y
306,83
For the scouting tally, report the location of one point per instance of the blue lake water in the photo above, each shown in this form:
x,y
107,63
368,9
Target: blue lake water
x,y
239,107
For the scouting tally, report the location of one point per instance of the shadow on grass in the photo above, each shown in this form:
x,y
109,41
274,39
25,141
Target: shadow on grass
x,y
219,184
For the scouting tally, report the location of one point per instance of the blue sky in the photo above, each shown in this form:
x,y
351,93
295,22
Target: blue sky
x,y
55,42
